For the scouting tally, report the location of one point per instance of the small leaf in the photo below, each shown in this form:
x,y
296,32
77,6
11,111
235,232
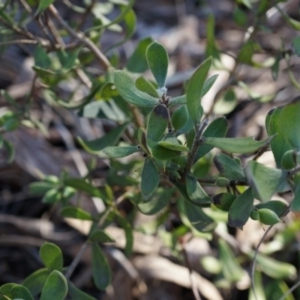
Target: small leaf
x,y
81,185
226,104
172,144
36,280
158,122
100,268
100,236
137,62
43,5
289,160
40,188
284,123
20,292
77,294
150,178
158,61
231,269
264,180
117,152
198,219
229,168
222,182
146,86
295,205
211,46
51,256
179,117
236,145
240,209
195,191
161,153
268,216
76,213
52,196
56,287
125,85
209,82
178,100
223,201
217,128
277,206
41,58
109,139
246,52
274,268
194,91
157,203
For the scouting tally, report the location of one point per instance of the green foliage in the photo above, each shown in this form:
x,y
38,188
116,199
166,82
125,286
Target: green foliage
x,y
183,165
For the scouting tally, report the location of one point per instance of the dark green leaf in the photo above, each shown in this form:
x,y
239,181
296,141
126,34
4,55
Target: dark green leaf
x,y
158,122
296,45
20,292
51,256
217,128
223,201
240,209
68,58
10,150
100,236
41,58
295,205
77,294
194,91
40,188
56,287
35,281
284,123
117,151
146,86
289,160
161,153
236,145
264,180
246,52
125,85
172,144
137,62
195,191
150,178
76,213
109,139
180,117
178,100
231,268
100,267
158,61
198,219
157,203
229,168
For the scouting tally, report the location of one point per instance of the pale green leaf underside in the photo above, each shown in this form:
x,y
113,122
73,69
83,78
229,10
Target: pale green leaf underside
x,y
236,145
118,152
125,85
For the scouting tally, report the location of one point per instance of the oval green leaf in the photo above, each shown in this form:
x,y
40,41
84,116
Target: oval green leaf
x,y
240,209
158,122
76,213
35,281
51,256
195,191
118,152
179,117
150,178
236,145
56,287
125,85
229,168
100,268
264,180
194,91
158,61
100,236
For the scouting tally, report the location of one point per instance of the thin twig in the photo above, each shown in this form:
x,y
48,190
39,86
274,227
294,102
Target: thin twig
x,y
104,62
254,261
